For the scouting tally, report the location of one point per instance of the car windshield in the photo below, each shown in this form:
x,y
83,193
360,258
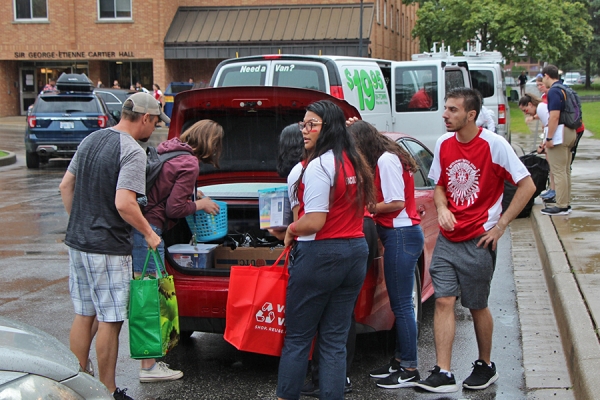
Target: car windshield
x,y
66,104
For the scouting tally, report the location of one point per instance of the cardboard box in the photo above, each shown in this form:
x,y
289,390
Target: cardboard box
x,y
258,256
188,256
274,206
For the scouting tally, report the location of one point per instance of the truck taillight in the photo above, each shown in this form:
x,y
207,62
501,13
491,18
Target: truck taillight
x,y
102,121
337,91
501,114
31,121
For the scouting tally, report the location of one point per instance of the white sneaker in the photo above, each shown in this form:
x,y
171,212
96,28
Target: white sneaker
x,y
159,372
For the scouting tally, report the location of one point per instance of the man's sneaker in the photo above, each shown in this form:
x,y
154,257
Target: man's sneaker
x,y
439,382
482,376
120,394
548,194
386,370
400,379
555,211
159,372
312,390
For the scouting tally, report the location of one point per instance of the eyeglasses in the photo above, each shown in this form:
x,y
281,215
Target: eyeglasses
x,y
310,125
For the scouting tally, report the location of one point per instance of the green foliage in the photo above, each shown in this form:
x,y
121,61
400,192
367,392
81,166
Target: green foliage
x,y
553,30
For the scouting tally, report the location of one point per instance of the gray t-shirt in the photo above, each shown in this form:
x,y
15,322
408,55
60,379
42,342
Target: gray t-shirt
x,y
105,161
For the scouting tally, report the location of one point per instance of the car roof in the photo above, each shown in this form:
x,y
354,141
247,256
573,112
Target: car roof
x,y
120,93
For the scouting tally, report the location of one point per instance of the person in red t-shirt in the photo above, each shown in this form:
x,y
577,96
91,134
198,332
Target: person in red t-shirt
x,y
469,168
421,100
397,220
329,253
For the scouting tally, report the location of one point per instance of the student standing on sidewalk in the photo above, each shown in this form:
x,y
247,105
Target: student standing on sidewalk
x,y
397,221
560,139
469,168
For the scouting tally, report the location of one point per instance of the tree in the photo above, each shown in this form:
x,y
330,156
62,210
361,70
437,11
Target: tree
x,y
591,55
554,30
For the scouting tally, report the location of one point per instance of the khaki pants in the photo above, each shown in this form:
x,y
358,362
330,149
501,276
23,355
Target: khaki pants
x,y
559,158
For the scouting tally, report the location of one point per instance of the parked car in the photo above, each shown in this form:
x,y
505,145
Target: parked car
x,y
531,87
35,365
114,99
581,80
253,118
58,121
571,78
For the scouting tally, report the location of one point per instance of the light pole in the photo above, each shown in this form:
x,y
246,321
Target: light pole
x,y
360,28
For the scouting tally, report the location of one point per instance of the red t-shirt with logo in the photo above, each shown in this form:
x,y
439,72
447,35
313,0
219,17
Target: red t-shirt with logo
x,y
473,175
393,182
315,195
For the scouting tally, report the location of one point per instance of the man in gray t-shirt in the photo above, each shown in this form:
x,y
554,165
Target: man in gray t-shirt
x,y
99,192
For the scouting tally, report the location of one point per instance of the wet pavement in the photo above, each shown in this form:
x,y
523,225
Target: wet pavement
x,y
33,259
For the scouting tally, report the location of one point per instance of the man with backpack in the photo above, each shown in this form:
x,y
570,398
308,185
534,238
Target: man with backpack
x,y
565,118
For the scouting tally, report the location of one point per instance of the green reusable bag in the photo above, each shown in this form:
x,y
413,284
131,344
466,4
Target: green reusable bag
x,y
153,314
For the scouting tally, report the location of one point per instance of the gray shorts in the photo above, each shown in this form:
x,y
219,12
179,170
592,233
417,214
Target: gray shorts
x,y
462,268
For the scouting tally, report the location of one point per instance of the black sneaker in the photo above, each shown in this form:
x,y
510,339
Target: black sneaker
x,y
347,386
386,370
482,376
120,394
439,382
555,211
400,379
312,390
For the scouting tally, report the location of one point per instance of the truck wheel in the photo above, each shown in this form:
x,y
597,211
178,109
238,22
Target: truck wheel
x,y
32,160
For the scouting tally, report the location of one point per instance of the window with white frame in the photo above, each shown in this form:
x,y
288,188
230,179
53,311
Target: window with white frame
x,y
31,9
392,18
114,9
377,11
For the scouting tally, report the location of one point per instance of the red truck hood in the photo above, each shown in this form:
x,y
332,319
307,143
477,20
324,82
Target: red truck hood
x,y
252,117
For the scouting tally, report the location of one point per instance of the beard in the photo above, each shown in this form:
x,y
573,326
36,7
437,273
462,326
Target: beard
x,y
458,126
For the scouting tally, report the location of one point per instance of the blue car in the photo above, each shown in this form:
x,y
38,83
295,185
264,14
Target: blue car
x,y
59,120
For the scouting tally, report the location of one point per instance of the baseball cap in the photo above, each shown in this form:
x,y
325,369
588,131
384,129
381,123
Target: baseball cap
x,y
145,103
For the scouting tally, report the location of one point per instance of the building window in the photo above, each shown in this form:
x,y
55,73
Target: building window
x,y
377,11
392,17
385,13
31,9
114,9
397,22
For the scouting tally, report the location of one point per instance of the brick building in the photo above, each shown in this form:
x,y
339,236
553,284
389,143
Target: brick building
x,y
155,41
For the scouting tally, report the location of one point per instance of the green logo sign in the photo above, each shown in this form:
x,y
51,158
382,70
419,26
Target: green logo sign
x,y
369,86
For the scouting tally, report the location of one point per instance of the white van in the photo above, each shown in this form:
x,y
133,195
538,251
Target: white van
x,y
381,90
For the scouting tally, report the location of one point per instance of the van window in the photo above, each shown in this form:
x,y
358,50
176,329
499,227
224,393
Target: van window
x,y
483,80
299,76
454,79
416,89
246,74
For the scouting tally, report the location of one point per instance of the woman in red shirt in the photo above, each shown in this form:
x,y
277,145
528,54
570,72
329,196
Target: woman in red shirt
x,y
327,261
397,221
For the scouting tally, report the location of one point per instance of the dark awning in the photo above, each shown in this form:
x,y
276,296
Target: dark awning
x,y
226,32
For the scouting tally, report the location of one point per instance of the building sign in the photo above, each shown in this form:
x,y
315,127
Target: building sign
x,y
52,55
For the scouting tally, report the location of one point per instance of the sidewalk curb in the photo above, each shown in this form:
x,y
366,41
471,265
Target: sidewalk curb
x,y
580,343
11,158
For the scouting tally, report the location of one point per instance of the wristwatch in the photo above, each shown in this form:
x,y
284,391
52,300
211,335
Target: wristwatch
x,y
548,139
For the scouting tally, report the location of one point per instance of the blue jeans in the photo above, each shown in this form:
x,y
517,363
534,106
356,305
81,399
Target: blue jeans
x,y
325,279
403,246
140,250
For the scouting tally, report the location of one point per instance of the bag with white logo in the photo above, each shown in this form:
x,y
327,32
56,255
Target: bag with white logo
x,y
255,314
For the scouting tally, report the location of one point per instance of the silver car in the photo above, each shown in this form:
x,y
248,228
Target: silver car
x,y
35,365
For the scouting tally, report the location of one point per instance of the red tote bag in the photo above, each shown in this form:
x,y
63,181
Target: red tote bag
x,y
255,315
